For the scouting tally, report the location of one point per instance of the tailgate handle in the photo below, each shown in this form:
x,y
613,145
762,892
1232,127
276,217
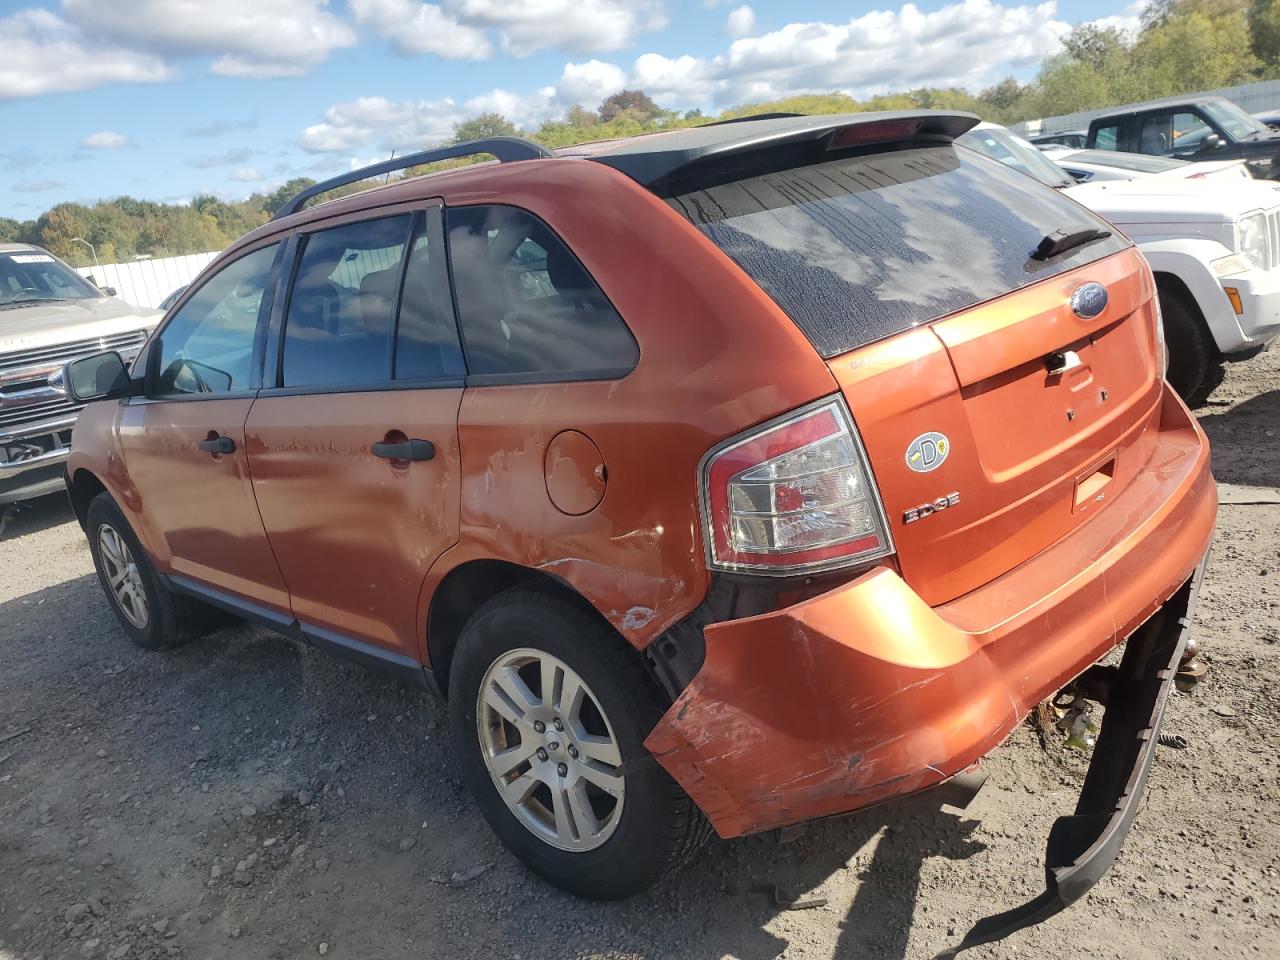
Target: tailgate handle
x,y
1060,363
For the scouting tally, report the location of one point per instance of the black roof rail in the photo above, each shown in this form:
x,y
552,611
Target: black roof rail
x,y
506,149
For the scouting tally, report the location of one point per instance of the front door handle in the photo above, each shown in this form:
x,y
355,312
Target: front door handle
x,y
408,450
218,445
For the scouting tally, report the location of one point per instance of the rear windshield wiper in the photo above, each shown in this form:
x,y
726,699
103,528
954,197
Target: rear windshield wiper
x,y
1060,241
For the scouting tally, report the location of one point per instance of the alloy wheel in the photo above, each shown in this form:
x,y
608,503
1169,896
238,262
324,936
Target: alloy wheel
x,y
550,750
123,576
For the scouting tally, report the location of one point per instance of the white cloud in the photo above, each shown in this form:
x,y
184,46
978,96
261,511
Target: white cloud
x,y
968,43
367,120
417,28
256,38
246,175
42,53
105,140
590,82
1128,20
742,20
579,26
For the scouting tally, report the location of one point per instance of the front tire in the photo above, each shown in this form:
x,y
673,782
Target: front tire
x,y
549,711
151,615
1192,353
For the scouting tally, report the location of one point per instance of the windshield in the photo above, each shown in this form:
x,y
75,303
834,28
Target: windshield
x,y
999,144
1238,124
1139,162
30,276
863,247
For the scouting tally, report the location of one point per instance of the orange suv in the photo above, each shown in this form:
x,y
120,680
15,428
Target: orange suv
x,y
725,477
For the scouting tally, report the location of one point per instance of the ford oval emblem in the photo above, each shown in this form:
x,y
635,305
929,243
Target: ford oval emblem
x,y
927,451
1089,300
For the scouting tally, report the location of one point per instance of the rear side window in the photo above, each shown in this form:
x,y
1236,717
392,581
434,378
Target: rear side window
x,y
1106,138
860,248
527,307
341,313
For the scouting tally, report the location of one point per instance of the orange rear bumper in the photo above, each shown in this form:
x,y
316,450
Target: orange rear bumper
x,y
866,693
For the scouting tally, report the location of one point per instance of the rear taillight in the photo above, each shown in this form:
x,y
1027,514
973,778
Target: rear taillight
x,y
793,496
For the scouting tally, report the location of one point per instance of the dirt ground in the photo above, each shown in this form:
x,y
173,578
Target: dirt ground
x,y
248,797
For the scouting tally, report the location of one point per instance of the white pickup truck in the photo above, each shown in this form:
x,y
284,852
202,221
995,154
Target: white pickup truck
x,y
1214,249
49,314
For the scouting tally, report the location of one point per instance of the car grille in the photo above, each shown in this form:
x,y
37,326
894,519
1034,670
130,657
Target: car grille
x,y
1273,236
26,395
62,352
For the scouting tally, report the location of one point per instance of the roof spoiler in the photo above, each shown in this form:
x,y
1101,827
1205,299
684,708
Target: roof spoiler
x,y
650,160
505,149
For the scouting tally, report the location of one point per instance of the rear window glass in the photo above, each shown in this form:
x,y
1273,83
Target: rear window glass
x,y
860,248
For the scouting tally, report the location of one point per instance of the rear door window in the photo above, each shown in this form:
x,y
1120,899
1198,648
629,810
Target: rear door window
x,y
859,248
341,314
527,306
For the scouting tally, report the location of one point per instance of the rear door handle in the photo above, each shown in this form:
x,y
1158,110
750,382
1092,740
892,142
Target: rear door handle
x,y
408,450
218,445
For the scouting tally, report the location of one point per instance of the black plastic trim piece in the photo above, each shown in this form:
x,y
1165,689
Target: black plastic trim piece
x,y
375,658
396,665
456,382
544,376
505,149
651,160
1082,847
233,604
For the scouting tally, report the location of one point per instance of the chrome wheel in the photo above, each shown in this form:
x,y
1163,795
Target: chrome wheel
x,y
123,576
550,750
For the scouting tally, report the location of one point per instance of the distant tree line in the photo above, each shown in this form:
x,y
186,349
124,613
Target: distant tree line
x,y
1182,46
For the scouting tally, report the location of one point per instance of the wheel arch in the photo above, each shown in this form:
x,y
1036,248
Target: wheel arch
x,y
82,488
1170,284
467,587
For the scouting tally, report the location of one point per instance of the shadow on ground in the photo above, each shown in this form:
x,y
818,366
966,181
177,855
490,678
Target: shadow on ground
x,y
27,517
147,762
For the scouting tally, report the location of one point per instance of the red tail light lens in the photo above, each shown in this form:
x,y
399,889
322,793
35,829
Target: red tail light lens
x,y
794,495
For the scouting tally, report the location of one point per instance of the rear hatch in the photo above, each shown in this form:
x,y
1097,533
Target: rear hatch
x,y
997,415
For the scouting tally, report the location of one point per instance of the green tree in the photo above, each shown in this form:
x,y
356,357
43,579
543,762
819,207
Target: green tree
x,y
635,102
485,125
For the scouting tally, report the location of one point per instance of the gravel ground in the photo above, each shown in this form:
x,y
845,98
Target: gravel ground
x,y
248,797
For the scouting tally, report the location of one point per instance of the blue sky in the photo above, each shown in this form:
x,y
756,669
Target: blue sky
x,y
164,99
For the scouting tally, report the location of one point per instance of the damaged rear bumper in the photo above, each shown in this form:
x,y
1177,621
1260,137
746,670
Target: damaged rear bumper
x,y
1083,846
866,693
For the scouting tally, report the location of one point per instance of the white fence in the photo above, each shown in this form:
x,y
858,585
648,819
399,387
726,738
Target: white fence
x,y
1250,97
144,283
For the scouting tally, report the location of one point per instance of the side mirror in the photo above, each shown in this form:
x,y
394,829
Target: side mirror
x,y
109,291
1213,142
102,376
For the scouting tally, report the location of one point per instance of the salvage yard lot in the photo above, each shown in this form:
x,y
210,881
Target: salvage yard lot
x,y
249,797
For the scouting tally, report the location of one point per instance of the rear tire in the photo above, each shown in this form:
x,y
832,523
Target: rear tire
x,y
151,615
1192,353
612,844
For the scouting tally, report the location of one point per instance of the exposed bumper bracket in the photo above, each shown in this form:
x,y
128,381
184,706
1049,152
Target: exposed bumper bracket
x,y
1083,846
